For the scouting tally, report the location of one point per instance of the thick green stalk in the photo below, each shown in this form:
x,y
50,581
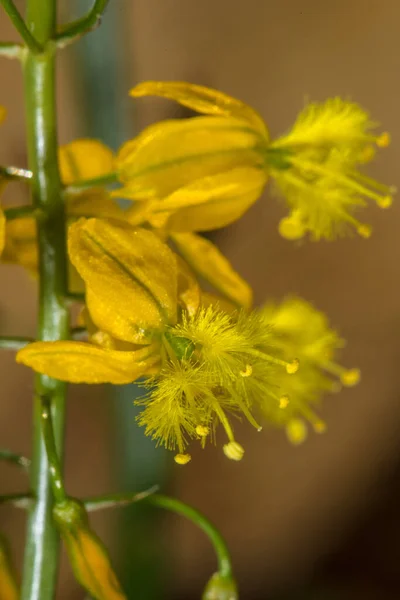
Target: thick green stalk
x,y
41,553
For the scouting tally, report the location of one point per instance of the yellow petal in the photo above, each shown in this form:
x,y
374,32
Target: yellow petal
x,y
80,362
172,154
203,100
209,299
2,231
188,288
94,203
215,201
206,260
84,159
3,114
130,275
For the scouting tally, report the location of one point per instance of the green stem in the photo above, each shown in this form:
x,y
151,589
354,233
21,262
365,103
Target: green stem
x,y
24,501
14,343
51,451
16,459
15,173
20,26
11,50
41,552
73,297
81,186
220,547
117,500
87,23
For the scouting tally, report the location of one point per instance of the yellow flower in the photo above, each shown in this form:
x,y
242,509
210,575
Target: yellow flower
x,y
298,328
314,167
79,160
204,172
89,559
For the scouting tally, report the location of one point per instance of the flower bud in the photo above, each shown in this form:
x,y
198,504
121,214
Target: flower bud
x,y
220,587
89,559
8,583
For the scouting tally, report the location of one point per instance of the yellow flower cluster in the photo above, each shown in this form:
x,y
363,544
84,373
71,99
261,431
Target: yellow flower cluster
x,y
201,365
204,360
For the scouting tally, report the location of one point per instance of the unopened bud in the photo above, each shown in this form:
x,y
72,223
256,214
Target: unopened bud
x,y
89,559
8,581
220,587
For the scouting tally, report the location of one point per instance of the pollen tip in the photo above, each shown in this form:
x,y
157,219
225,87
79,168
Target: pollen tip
x,y
319,427
296,431
291,229
247,371
364,230
350,377
383,140
202,430
385,202
233,451
283,401
182,459
293,366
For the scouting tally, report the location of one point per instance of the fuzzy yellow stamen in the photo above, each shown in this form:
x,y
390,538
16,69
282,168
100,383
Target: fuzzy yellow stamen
x,y
233,451
182,459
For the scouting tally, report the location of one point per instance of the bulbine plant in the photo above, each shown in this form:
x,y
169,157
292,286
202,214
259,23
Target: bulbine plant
x,y
203,359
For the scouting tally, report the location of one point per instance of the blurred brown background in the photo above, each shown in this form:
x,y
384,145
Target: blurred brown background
x,y
320,520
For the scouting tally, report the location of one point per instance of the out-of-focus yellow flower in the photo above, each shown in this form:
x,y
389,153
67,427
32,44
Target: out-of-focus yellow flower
x,y
204,172
300,329
2,231
79,160
89,559
3,113
84,159
9,589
